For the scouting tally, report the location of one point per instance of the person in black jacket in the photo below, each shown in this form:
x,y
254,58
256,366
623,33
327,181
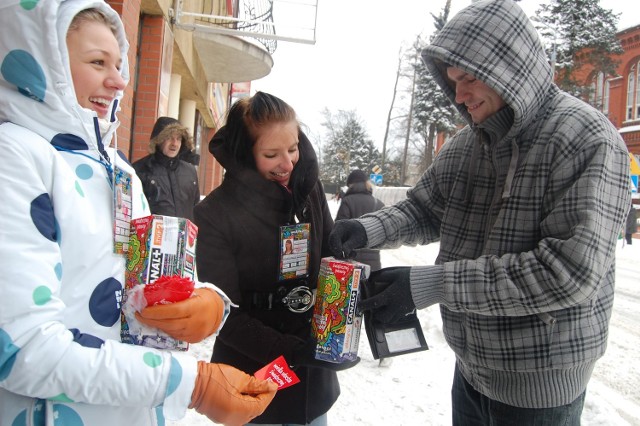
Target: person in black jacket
x,y
357,201
270,194
631,225
168,175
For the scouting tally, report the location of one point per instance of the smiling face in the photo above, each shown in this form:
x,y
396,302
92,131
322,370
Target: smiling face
x,y
276,151
171,146
95,61
480,100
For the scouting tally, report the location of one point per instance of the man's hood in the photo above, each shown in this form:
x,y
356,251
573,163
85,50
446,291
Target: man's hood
x,y
494,41
36,88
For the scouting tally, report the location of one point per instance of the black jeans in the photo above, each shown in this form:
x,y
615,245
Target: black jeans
x,y
471,408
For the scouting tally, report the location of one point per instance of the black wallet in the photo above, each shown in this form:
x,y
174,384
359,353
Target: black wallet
x,y
391,339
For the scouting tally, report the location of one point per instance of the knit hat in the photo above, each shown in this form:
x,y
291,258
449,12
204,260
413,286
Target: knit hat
x,y
357,176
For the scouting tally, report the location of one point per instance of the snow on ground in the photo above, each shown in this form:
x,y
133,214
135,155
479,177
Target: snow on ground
x,y
415,388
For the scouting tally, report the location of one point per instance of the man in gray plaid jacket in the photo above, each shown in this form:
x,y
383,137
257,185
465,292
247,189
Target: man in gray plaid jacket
x,y
527,202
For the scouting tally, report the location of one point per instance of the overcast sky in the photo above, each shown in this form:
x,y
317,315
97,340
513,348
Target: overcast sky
x,y
352,65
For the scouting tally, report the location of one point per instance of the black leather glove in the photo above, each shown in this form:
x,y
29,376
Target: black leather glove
x,y
304,356
346,236
394,301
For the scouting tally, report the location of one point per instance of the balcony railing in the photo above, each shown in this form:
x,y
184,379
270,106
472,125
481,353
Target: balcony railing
x,y
256,20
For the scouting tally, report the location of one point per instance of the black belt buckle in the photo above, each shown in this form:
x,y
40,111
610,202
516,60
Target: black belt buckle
x,y
299,299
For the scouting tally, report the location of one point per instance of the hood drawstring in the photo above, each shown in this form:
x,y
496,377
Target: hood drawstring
x,y
474,163
513,164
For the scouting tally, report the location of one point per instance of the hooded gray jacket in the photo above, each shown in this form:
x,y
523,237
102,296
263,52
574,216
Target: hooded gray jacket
x,y
527,208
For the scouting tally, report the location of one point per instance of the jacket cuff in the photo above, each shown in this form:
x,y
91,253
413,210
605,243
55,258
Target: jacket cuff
x,y
182,378
375,231
427,285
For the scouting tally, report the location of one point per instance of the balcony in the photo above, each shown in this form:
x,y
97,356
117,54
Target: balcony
x,y
232,49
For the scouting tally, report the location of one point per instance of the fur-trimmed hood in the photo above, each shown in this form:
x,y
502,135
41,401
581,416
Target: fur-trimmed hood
x,y
163,131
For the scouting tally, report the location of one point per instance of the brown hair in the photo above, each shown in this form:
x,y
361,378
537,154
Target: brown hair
x,y
245,119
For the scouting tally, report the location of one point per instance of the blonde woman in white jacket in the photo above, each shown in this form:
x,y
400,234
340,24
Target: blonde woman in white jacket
x,y
63,70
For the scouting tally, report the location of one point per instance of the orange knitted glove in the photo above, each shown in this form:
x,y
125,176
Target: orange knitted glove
x,y
190,320
229,396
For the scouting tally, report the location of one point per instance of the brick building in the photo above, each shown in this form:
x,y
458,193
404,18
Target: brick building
x,y
618,96
180,69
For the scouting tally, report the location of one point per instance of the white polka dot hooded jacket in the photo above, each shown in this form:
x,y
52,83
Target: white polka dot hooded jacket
x,y
61,360
527,207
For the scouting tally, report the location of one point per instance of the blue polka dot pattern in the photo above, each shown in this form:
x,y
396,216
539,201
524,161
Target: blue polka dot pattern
x,y
22,70
43,217
71,142
86,340
39,412
160,416
41,295
21,419
28,4
175,376
58,271
153,360
84,171
65,416
8,353
61,398
104,304
79,189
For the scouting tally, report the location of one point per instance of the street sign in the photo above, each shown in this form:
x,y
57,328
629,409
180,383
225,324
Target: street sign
x,y
376,169
634,184
376,179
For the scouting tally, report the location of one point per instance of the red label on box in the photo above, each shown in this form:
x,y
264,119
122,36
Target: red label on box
x,y
278,372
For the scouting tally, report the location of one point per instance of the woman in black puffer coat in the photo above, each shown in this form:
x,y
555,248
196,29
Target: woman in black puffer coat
x,y
169,179
271,181
357,201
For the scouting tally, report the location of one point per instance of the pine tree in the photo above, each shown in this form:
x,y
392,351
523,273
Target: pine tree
x,y
348,147
432,110
579,26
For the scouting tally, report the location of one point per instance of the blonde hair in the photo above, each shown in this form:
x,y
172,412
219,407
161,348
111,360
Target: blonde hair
x,y
92,15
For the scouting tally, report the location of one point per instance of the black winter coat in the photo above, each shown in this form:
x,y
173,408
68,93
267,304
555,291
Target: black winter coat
x,y
170,184
238,250
358,201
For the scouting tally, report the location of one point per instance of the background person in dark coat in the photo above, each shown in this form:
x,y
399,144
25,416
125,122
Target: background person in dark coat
x,y
271,180
357,201
632,225
169,179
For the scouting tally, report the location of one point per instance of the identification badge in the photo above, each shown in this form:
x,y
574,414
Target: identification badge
x,y
121,210
294,251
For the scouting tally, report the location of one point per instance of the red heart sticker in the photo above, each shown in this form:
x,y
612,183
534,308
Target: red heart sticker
x,y
342,270
278,372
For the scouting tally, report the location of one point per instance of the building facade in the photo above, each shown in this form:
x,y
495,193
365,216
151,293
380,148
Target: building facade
x,y
618,97
180,69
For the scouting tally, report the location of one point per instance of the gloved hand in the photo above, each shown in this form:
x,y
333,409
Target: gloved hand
x,y
346,236
395,301
229,396
304,356
190,320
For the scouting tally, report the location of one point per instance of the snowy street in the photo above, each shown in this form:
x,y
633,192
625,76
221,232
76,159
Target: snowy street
x,y
415,388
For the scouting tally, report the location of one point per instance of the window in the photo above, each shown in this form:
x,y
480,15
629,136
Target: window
x,y
599,92
633,93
